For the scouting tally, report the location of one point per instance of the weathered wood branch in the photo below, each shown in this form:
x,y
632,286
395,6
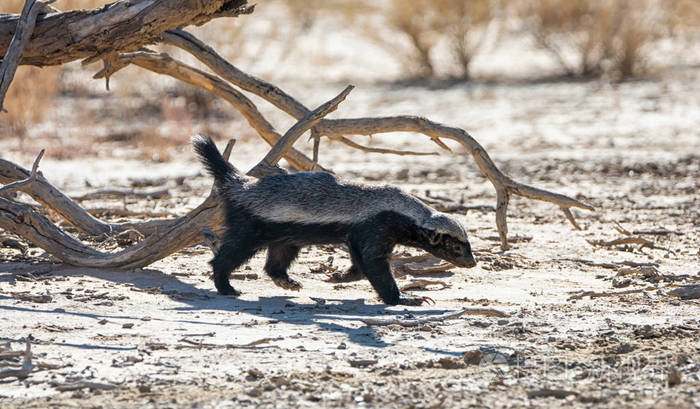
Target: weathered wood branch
x,y
416,322
122,26
337,129
289,138
48,195
12,187
25,369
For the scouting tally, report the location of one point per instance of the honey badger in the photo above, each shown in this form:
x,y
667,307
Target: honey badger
x,y
285,212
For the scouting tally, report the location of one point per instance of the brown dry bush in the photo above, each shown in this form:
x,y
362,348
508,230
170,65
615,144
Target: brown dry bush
x,y
418,27
29,99
33,90
596,37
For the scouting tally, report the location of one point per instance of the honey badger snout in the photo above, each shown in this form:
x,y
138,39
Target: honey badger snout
x,y
467,261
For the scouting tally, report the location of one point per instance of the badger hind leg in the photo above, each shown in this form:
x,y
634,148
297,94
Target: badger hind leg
x,y
279,258
232,254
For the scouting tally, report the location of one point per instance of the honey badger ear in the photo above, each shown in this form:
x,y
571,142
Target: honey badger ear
x,y
434,238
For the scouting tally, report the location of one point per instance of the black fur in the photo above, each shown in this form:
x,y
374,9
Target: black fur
x,y
370,241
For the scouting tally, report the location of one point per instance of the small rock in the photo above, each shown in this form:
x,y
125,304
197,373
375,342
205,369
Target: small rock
x,y
102,321
255,373
254,392
451,363
621,282
360,363
128,325
342,345
473,357
674,377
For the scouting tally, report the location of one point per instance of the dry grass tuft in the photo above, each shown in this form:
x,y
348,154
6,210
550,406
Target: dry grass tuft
x,y
29,99
597,37
685,14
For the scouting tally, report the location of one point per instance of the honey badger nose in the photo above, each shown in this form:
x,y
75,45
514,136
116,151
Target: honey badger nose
x,y
467,261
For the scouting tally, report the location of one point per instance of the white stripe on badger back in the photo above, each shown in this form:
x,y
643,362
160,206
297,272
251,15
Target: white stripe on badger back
x,y
321,198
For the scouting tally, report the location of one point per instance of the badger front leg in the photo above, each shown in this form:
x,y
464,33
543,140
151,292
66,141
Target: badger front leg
x,y
279,258
370,248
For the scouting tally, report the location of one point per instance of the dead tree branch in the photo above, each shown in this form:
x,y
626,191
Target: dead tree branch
x,y
416,322
125,25
287,141
27,365
7,189
45,193
336,129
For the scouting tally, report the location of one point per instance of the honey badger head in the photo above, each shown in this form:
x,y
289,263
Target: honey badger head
x,y
445,238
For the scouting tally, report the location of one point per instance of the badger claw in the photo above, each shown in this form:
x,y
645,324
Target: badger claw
x,y
287,283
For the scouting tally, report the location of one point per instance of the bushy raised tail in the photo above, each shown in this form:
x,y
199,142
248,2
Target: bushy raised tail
x,y
214,162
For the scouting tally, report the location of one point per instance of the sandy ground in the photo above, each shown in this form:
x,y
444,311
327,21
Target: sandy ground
x,y
161,337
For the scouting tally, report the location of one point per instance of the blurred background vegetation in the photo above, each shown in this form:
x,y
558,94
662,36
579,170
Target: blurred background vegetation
x,y
428,40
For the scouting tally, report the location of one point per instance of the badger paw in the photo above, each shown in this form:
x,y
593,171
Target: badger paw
x,y
228,290
287,283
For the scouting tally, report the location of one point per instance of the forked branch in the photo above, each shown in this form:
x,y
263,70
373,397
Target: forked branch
x,y
337,129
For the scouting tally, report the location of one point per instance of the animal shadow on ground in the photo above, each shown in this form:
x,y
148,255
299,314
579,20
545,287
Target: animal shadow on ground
x,y
336,315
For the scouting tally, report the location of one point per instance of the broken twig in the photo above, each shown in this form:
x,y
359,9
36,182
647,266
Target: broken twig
x,y
416,322
26,368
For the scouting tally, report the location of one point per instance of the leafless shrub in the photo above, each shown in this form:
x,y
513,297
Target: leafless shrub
x,y
465,27
596,37
422,25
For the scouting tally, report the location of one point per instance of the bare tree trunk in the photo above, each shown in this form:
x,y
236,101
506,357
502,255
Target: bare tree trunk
x,y
125,25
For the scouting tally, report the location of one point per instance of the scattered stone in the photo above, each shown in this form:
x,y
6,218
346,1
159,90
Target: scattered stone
x,y
473,357
361,363
451,363
674,376
255,373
